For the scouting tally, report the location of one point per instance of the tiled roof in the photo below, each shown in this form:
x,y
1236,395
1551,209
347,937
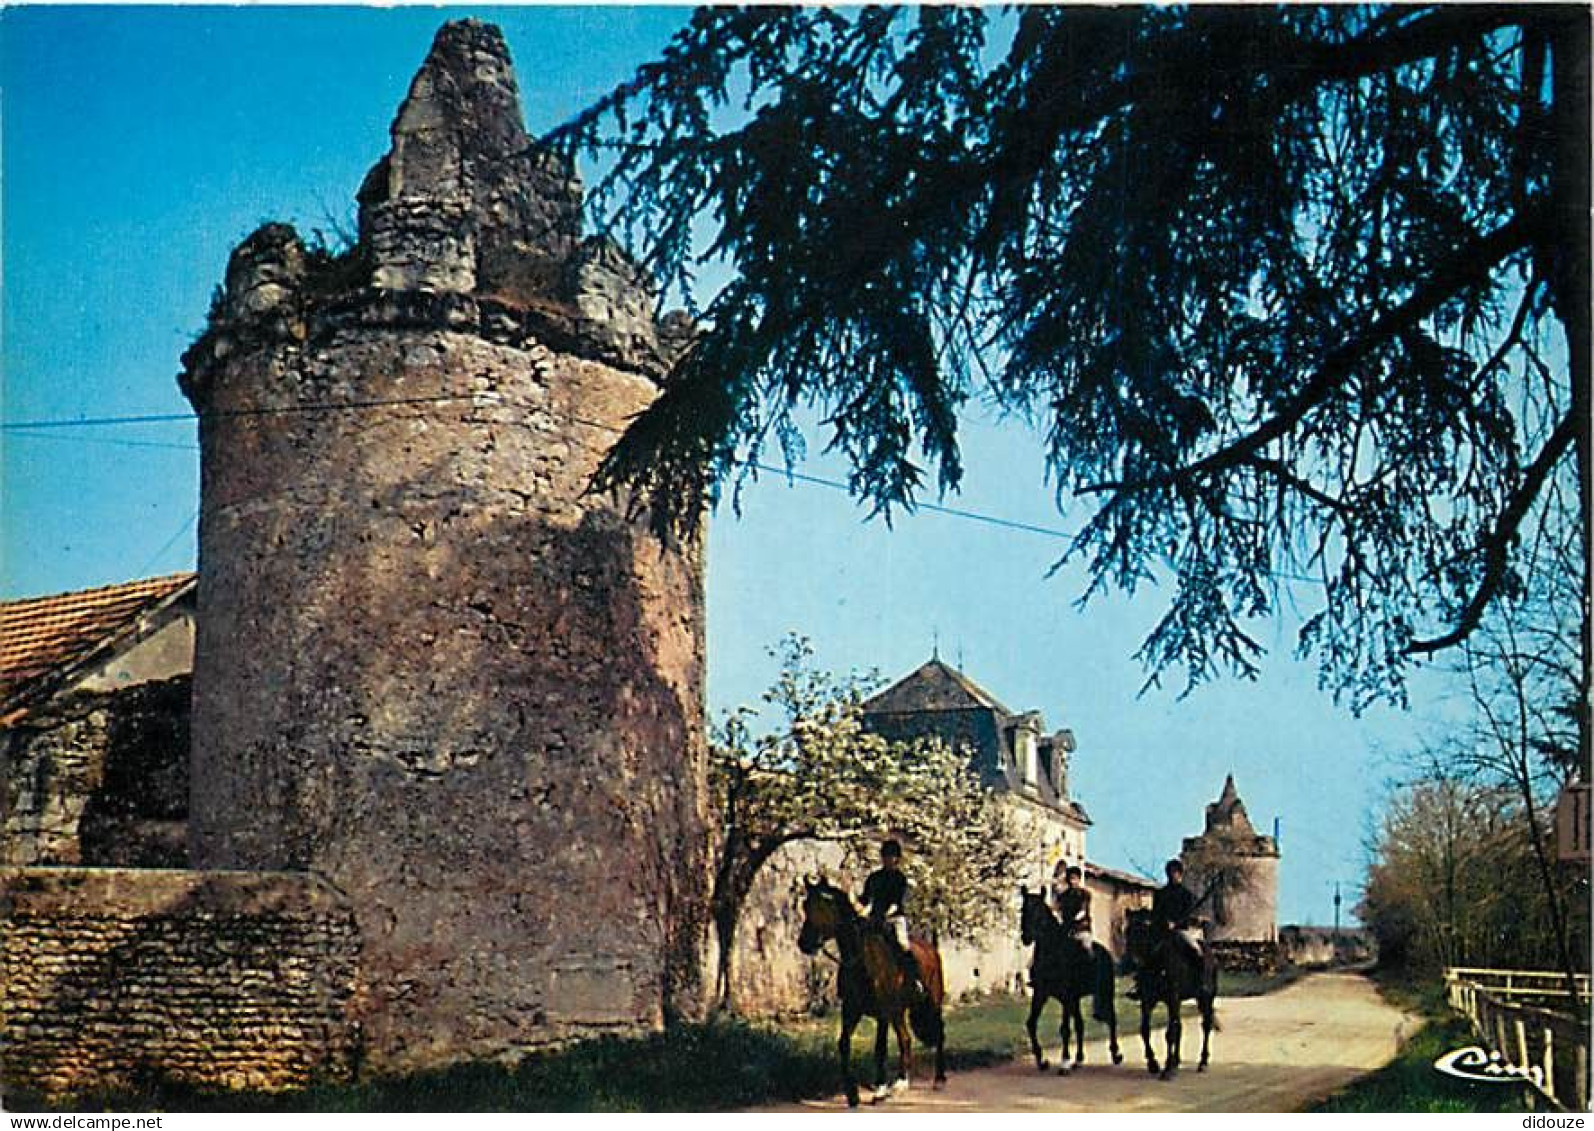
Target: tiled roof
x,y
934,686
42,636
1124,879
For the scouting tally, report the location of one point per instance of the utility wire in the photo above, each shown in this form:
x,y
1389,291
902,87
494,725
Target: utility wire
x,y
110,440
144,569
224,414
24,428
28,428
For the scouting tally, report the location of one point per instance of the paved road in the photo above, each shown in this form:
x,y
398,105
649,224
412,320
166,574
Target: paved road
x,y
1279,1052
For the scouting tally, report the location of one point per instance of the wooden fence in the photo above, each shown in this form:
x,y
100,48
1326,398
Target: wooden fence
x,y
1525,1017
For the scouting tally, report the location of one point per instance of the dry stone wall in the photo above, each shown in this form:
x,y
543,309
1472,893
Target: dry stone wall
x,y
430,665
120,979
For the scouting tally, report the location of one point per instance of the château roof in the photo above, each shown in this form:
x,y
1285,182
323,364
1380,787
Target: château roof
x,y
933,686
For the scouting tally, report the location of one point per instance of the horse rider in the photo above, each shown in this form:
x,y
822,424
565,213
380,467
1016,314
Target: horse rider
x,y
1073,903
1173,908
885,895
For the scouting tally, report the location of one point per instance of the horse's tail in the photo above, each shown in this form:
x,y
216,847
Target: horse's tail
x,y
1105,990
924,1015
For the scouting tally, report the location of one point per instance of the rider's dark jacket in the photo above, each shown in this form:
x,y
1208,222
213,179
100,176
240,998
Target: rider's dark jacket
x,y
885,892
1073,908
1173,903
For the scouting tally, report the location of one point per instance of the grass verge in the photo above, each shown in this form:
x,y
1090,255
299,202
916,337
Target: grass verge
x,y
716,1066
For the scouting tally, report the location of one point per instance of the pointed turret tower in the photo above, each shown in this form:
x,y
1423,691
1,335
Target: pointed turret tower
x,y
430,667
1240,867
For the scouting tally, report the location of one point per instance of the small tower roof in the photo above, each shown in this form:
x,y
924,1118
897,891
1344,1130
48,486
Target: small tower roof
x,y
1227,814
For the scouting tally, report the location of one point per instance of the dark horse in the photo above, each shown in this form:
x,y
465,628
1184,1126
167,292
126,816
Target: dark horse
x,y
1166,973
1064,969
871,984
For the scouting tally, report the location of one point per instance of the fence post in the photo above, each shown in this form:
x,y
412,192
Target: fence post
x,y
1581,1075
1549,1063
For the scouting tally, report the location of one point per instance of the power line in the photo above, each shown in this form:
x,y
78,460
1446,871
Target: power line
x,y
108,440
224,414
168,544
25,428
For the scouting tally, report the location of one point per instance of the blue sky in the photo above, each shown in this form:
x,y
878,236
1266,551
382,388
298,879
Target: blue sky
x,y
141,144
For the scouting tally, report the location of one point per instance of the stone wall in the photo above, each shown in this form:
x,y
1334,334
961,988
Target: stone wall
x,y
430,665
1249,956
118,979
99,777
1324,946
771,977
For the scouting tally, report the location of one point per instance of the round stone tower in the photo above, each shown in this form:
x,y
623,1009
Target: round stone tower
x,y
1240,867
430,666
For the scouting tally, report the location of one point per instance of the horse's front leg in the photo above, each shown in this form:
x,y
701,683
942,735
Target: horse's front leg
x,y
1207,1018
849,1021
1062,1035
1175,1033
880,1032
1147,1004
1079,1031
905,1047
1037,1002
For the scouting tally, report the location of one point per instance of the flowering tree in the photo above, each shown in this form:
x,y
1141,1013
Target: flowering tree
x,y
820,776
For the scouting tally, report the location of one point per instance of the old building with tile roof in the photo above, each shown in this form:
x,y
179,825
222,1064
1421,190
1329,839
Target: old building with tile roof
x,y
94,706
48,643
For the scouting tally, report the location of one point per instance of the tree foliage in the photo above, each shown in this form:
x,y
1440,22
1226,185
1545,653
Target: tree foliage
x,y
1286,287
820,776
1465,868
1454,881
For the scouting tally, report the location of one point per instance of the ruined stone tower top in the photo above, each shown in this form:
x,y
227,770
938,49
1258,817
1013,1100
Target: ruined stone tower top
x,y
466,224
464,202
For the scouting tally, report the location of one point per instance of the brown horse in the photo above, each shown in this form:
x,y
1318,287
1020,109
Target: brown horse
x,y
871,983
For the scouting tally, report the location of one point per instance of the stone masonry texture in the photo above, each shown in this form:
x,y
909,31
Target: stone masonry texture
x,y
98,778
431,666
122,979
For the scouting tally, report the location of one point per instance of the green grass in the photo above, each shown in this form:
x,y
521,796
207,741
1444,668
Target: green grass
x,y
715,1066
1410,1082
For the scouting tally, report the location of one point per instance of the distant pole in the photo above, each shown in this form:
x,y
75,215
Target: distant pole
x,y
1336,911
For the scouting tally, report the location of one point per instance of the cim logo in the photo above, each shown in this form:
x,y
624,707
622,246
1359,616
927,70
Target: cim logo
x,y
1483,1067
